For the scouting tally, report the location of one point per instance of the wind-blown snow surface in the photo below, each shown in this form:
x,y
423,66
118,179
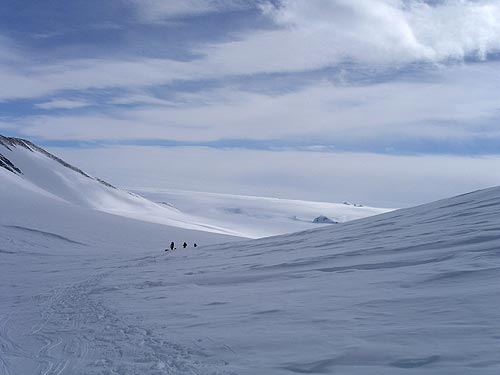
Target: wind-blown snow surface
x,y
256,217
412,291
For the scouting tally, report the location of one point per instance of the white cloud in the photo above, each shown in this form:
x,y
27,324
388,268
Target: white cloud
x,y
313,34
363,178
388,31
159,10
63,104
155,10
136,99
84,74
459,103
452,101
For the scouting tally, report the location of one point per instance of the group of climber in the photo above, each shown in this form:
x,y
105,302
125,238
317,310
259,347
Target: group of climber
x,y
184,245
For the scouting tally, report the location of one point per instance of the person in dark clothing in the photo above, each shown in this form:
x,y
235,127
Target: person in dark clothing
x,y
172,245
184,245
195,245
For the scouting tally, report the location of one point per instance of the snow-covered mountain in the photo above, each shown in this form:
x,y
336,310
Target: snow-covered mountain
x,y
410,291
43,173
46,174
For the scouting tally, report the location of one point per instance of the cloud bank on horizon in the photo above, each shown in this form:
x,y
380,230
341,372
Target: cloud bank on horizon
x,y
391,77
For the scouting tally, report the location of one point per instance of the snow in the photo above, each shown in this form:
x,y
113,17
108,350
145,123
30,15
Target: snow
x,y
241,216
382,295
56,178
83,291
51,253
255,217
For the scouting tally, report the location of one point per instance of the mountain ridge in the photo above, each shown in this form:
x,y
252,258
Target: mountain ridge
x,y
14,142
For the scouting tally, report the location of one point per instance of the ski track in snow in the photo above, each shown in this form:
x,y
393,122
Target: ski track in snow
x,y
77,332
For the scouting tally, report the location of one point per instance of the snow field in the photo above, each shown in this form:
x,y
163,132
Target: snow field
x,y
83,291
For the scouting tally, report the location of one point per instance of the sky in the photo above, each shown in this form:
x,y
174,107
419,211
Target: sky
x,y
381,102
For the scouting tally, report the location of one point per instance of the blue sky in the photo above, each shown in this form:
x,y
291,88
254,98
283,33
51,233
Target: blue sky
x,y
396,79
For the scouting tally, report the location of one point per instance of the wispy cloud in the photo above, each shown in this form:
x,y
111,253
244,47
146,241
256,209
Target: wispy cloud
x,y
63,104
160,10
388,31
311,35
456,104
138,99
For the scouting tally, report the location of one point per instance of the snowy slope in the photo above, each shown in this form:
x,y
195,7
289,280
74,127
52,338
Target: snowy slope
x,y
47,243
58,179
257,216
250,217
413,291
